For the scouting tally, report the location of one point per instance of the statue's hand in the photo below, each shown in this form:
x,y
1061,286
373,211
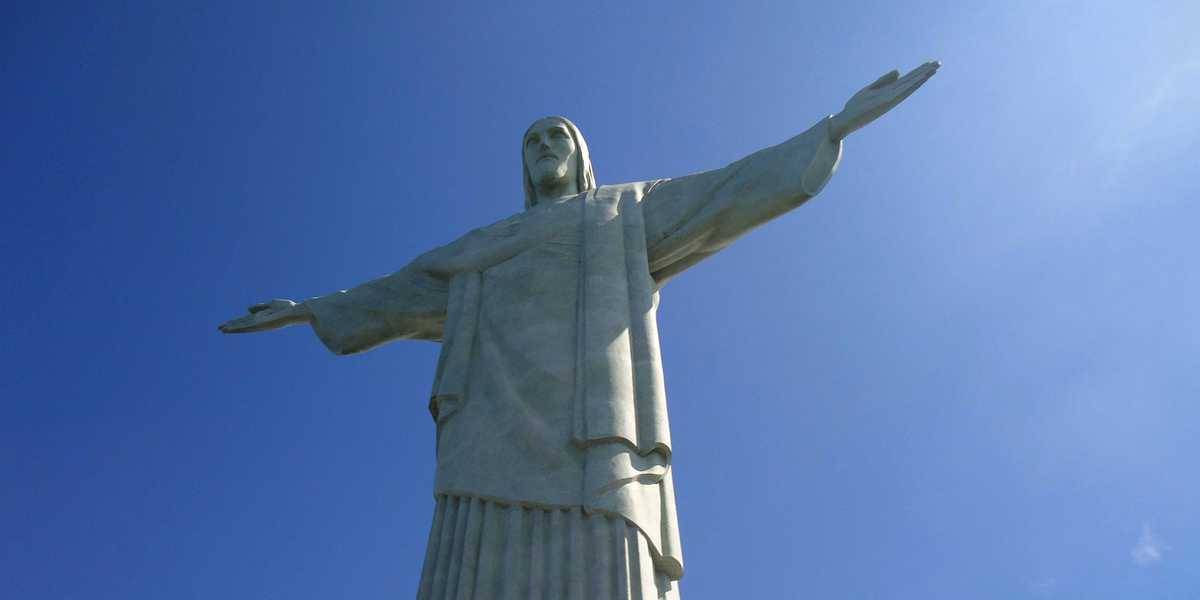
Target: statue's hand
x,y
268,315
881,96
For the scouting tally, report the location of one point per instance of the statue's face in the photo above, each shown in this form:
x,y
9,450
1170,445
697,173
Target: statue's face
x,y
550,153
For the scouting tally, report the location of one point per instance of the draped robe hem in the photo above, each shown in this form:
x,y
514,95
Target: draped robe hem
x,y
667,565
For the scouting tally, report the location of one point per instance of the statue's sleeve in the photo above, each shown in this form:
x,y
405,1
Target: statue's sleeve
x,y
412,303
690,218
408,304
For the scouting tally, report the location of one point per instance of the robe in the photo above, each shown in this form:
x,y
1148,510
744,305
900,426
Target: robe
x,y
548,398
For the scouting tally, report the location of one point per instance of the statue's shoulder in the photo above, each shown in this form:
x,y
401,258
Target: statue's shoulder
x,y
635,190
503,227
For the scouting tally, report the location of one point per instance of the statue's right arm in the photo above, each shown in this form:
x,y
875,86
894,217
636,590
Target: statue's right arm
x,y
408,304
690,218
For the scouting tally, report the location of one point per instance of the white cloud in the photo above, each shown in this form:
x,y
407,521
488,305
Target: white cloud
x,y
1149,549
1042,587
1160,114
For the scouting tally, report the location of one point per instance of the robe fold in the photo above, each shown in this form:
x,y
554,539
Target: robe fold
x,y
549,389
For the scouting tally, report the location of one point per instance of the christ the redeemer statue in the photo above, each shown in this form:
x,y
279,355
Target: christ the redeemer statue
x,y
553,450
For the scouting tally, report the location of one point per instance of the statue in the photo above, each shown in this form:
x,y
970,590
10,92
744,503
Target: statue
x,y
553,470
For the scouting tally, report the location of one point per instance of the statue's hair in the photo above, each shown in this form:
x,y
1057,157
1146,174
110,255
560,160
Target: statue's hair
x,y
585,176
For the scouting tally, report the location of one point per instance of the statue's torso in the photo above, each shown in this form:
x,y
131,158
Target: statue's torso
x,y
549,389
510,438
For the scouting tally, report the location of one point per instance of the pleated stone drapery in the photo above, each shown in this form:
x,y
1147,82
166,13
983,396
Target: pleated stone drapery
x,y
483,550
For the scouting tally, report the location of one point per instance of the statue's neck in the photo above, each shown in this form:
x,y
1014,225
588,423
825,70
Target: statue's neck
x,y
556,193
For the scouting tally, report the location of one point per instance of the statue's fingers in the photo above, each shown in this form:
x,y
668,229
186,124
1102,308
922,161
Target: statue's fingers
x,y
913,80
926,76
904,92
887,78
238,325
916,74
922,73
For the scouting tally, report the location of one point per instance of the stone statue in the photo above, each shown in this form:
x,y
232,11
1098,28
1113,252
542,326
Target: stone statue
x,y
553,449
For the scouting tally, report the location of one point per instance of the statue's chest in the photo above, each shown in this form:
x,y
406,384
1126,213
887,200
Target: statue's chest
x,y
535,288
540,272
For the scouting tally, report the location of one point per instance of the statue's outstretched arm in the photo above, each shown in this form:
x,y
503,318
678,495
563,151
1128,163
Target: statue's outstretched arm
x,y
693,217
408,304
412,302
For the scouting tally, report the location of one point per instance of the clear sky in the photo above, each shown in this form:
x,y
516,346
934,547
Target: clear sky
x,y
969,369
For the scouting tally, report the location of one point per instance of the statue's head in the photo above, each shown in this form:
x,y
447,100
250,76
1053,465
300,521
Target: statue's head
x,y
554,154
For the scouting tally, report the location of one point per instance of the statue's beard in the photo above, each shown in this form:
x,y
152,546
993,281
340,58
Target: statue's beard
x,y
549,178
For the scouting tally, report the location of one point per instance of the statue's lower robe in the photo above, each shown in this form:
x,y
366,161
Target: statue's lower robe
x,y
553,454
483,549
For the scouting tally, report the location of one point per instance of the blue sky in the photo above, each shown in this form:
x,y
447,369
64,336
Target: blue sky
x,y
969,369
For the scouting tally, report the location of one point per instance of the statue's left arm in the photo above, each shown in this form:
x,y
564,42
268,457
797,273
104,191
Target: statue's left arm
x,y
690,218
408,304
412,303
